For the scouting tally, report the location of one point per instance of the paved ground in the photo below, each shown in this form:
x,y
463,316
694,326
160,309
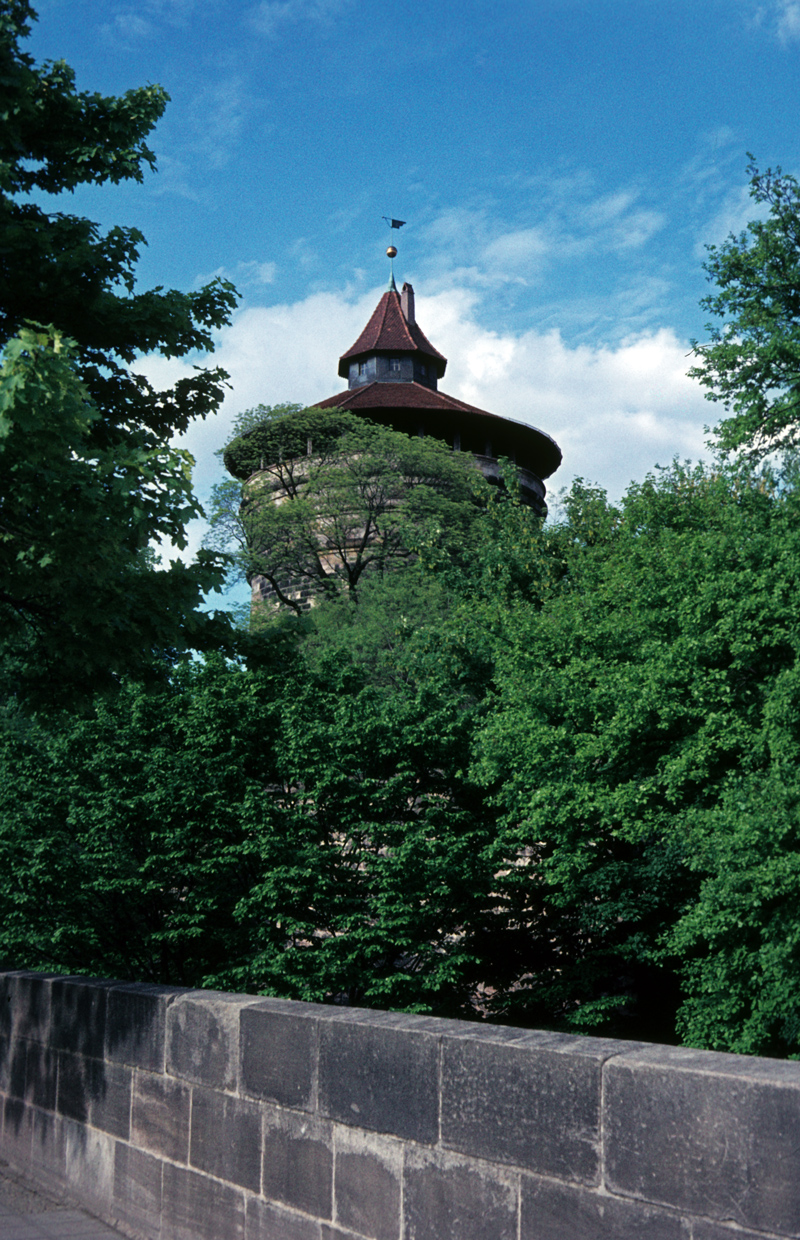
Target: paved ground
x,y
28,1213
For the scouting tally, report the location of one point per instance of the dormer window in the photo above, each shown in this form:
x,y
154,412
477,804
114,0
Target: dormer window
x,y
423,370
394,364
362,369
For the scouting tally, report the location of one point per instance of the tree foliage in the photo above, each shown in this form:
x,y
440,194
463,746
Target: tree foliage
x,y
58,268
89,477
81,601
751,363
552,784
328,497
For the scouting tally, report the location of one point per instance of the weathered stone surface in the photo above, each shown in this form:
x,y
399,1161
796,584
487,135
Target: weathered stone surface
x,y
266,1221
25,1005
717,1135
367,1183
41,1075
703,1229
5,1063
533,1101
17,1126
78,1015
380,1072
48,1151
195,1207
298,1161
552,1211
136,1025
278,1053
88,1164
137,1190
446,1198
226,1137
110,1107
203,1038
94,1091
16,1068
160,1115
73,1087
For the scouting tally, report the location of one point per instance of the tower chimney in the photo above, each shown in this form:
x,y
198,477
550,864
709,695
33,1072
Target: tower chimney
x,y
407,303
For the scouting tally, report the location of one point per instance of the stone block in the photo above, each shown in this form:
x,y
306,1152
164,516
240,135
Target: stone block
x,y
137,1190
368,1173
703,1229
136,1025
73,1088
298,1161
17,1068
89,1165
95,1092
552,1211
78,1015
41,1075
5,1063
193,1207
225,1137
48,1153
25,1005
532,1101
160,1115
5,1007
380,1072
447,1198
110,1107
711,1134
266,1221
203,1038
17,1130
278,1053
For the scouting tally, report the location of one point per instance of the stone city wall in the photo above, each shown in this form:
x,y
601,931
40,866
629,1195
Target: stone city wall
x,y
192,1115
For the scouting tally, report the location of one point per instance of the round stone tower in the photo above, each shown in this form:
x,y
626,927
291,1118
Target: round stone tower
x,y
393,374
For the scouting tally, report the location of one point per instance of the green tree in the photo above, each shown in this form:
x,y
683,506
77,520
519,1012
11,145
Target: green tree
x,y
552,784
751,363
83,599
328,497
128,834
58,268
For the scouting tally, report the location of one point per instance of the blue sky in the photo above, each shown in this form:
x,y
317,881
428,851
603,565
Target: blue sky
x,y
561,165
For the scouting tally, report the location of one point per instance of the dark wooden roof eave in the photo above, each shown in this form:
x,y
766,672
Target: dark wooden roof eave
x,y
378,401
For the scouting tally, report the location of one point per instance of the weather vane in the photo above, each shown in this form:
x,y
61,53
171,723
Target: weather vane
x,y
391,252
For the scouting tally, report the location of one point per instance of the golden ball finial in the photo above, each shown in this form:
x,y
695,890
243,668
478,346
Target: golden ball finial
x,y
391,252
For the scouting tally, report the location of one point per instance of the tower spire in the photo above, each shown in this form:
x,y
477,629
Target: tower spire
x,y
391,253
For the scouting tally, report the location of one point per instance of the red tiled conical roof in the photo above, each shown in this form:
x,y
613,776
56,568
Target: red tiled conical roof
x,y
389,331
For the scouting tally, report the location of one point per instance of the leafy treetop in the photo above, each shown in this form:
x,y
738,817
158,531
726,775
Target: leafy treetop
x,y
751,363
59,268
90,479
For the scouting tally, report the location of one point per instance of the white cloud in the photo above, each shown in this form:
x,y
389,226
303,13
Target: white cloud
x,y
518,248
732,216
269,16
130,24
559,226
218,116
781,18
250,273
788,21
